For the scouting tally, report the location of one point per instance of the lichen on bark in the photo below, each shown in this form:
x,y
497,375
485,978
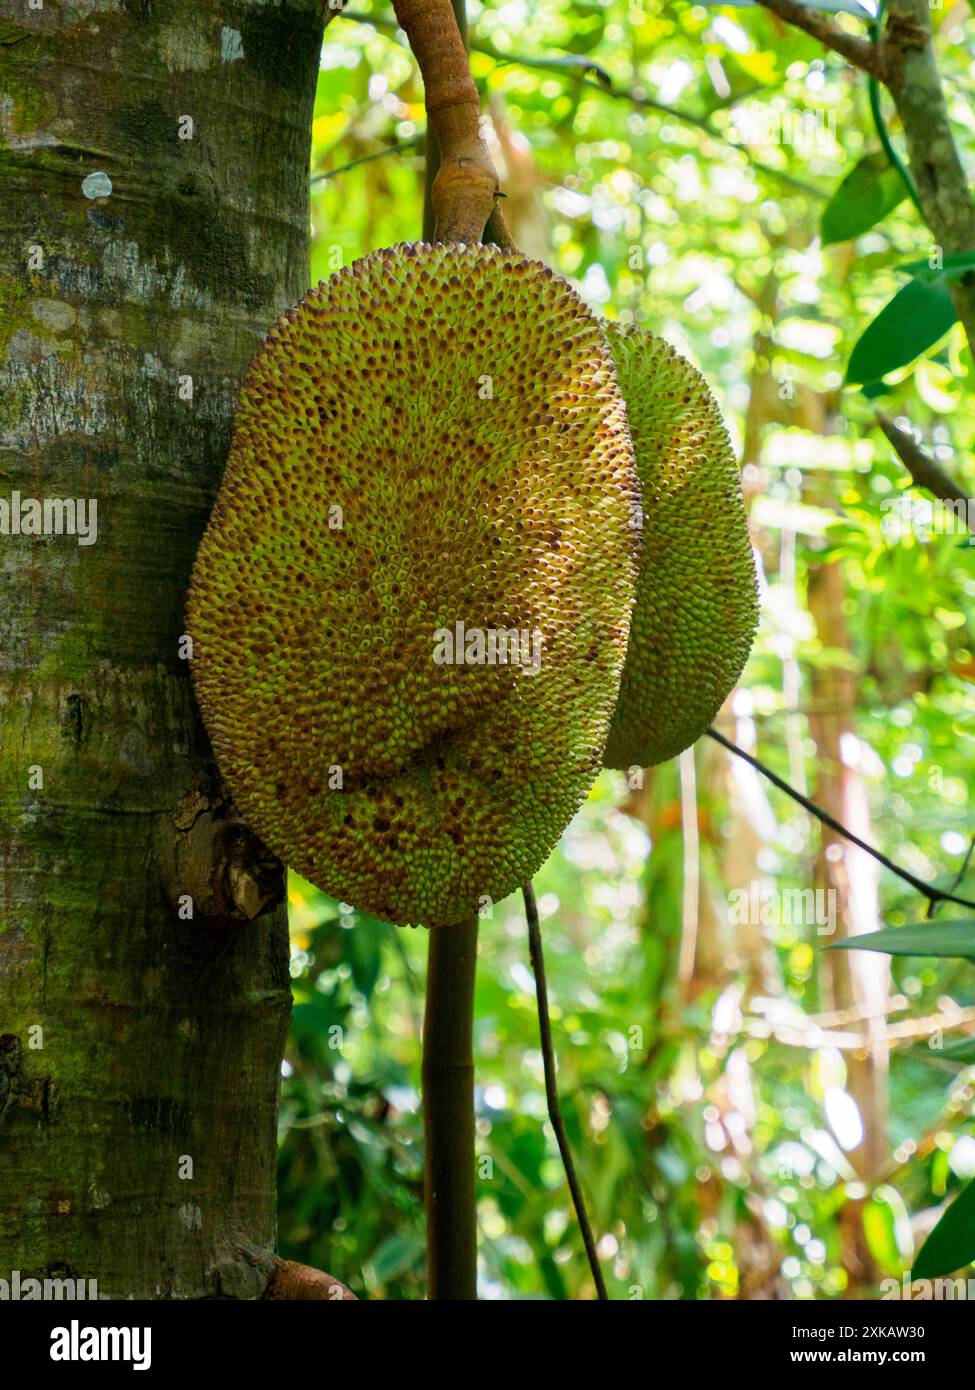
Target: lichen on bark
x,y
137,1045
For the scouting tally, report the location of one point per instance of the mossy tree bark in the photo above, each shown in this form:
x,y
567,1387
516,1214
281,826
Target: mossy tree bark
x,y
139,1049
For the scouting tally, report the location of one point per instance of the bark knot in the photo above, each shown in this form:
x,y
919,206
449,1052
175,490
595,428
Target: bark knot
x,y
216,868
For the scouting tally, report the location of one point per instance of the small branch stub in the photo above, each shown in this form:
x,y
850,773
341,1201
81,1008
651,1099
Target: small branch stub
x,y
302,1283
922,467
210,858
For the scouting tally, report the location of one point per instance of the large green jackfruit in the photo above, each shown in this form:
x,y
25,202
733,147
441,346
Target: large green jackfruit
x,y
432,437
697,602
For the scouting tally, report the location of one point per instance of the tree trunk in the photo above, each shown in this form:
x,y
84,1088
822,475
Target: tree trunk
x,y
154,223
942,182
857,980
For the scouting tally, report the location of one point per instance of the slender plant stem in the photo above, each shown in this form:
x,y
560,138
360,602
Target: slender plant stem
x,y
447,1073
880,125
552,1090
964,864
933,895
896,162
448,1113
398,148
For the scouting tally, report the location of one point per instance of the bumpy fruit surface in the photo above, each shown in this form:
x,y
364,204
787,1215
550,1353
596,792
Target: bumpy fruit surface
x,y
697,602
433,436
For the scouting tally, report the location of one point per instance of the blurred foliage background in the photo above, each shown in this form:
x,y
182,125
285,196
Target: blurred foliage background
x,y
753,1116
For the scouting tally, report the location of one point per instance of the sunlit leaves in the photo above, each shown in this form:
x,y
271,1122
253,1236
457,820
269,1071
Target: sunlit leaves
x,y
870,190
913,321
937,386
951,267
952,1242
887,1227
959,1052
954,939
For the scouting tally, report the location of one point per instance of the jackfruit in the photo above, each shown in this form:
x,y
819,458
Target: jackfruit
x,y
430,451
697,603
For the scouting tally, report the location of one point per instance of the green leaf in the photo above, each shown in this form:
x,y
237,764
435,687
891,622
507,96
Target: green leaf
x,y
871,190
954,939
873,389
879,1229
960,1050
576,62
362,950
396,1254
916,317
954,267
952,1242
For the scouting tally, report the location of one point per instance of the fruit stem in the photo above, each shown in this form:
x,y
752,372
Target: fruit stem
x,y
462,199
432,167
448,1113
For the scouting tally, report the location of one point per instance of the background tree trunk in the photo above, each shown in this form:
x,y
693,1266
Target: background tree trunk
x,y
858,981
139,1049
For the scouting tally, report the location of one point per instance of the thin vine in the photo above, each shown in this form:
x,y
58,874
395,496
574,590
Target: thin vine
x,y
552,1091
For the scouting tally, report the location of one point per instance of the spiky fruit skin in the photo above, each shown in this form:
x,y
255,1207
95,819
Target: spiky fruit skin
x,y
697,600
506,503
